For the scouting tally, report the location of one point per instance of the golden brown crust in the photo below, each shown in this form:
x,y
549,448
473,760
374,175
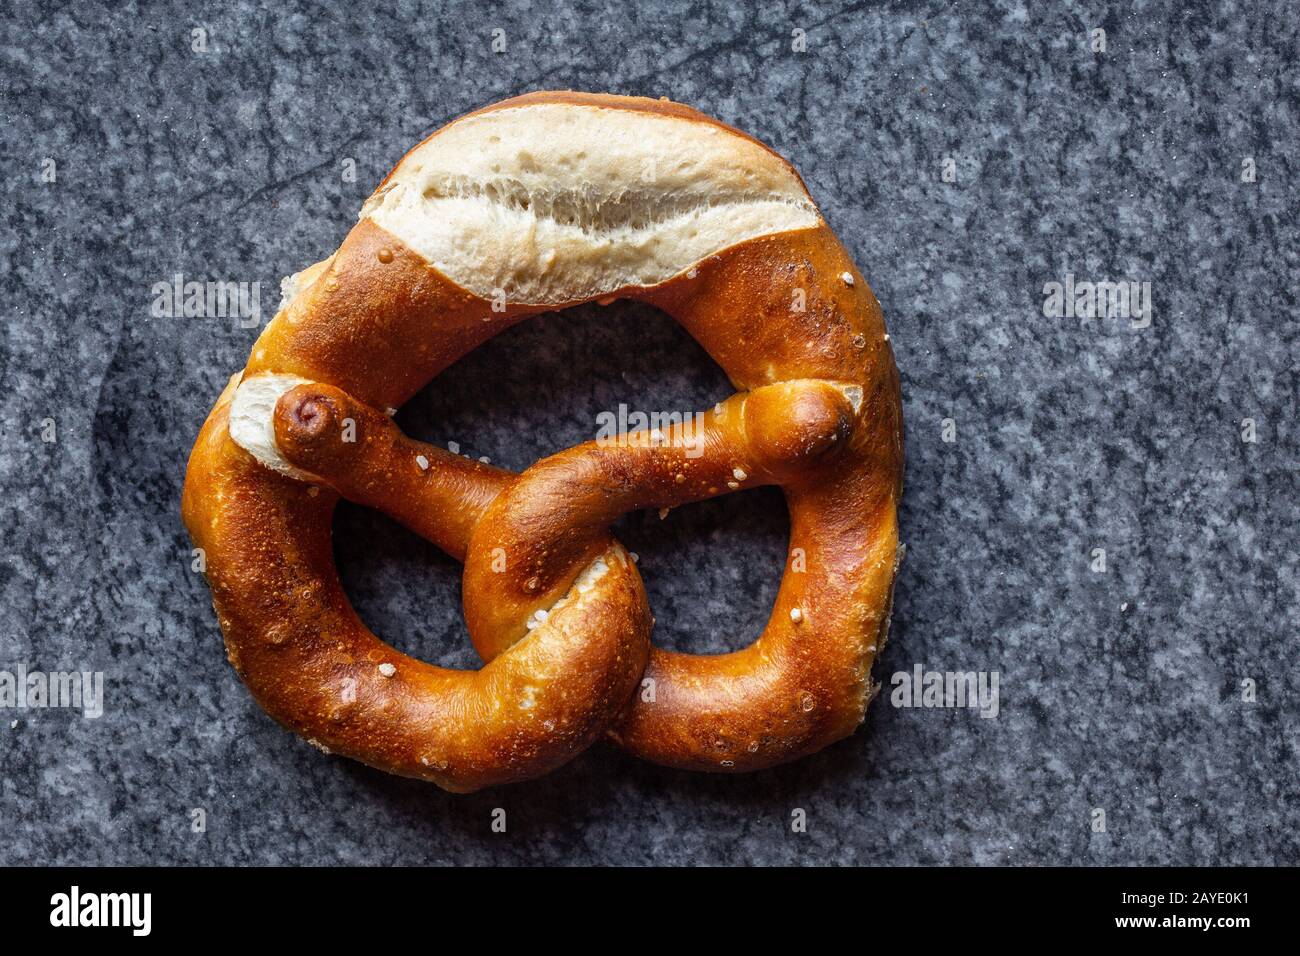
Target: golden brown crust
x,y
795,327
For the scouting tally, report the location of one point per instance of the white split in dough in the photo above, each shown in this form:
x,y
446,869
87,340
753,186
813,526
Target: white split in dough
x,y
252,425
553,203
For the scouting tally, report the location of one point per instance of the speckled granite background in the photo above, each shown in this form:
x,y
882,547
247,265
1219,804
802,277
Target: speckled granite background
x,y
1119,690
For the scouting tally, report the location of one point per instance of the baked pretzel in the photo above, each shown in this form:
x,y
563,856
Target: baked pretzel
x,y
531,205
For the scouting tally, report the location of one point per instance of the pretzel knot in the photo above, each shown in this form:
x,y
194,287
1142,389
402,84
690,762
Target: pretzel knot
x,y
531,205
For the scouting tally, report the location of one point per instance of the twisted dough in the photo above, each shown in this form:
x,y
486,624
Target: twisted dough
x,y
536,203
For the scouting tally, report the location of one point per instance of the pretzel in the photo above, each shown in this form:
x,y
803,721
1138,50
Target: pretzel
x,y
535,204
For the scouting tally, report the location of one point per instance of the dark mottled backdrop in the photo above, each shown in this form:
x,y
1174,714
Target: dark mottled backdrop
x,y
1167,158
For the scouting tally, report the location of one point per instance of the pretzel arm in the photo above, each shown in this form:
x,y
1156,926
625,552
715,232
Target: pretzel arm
x,y
363,455
555,519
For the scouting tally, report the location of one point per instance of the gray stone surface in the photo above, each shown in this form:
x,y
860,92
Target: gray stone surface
x,y
1119,690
